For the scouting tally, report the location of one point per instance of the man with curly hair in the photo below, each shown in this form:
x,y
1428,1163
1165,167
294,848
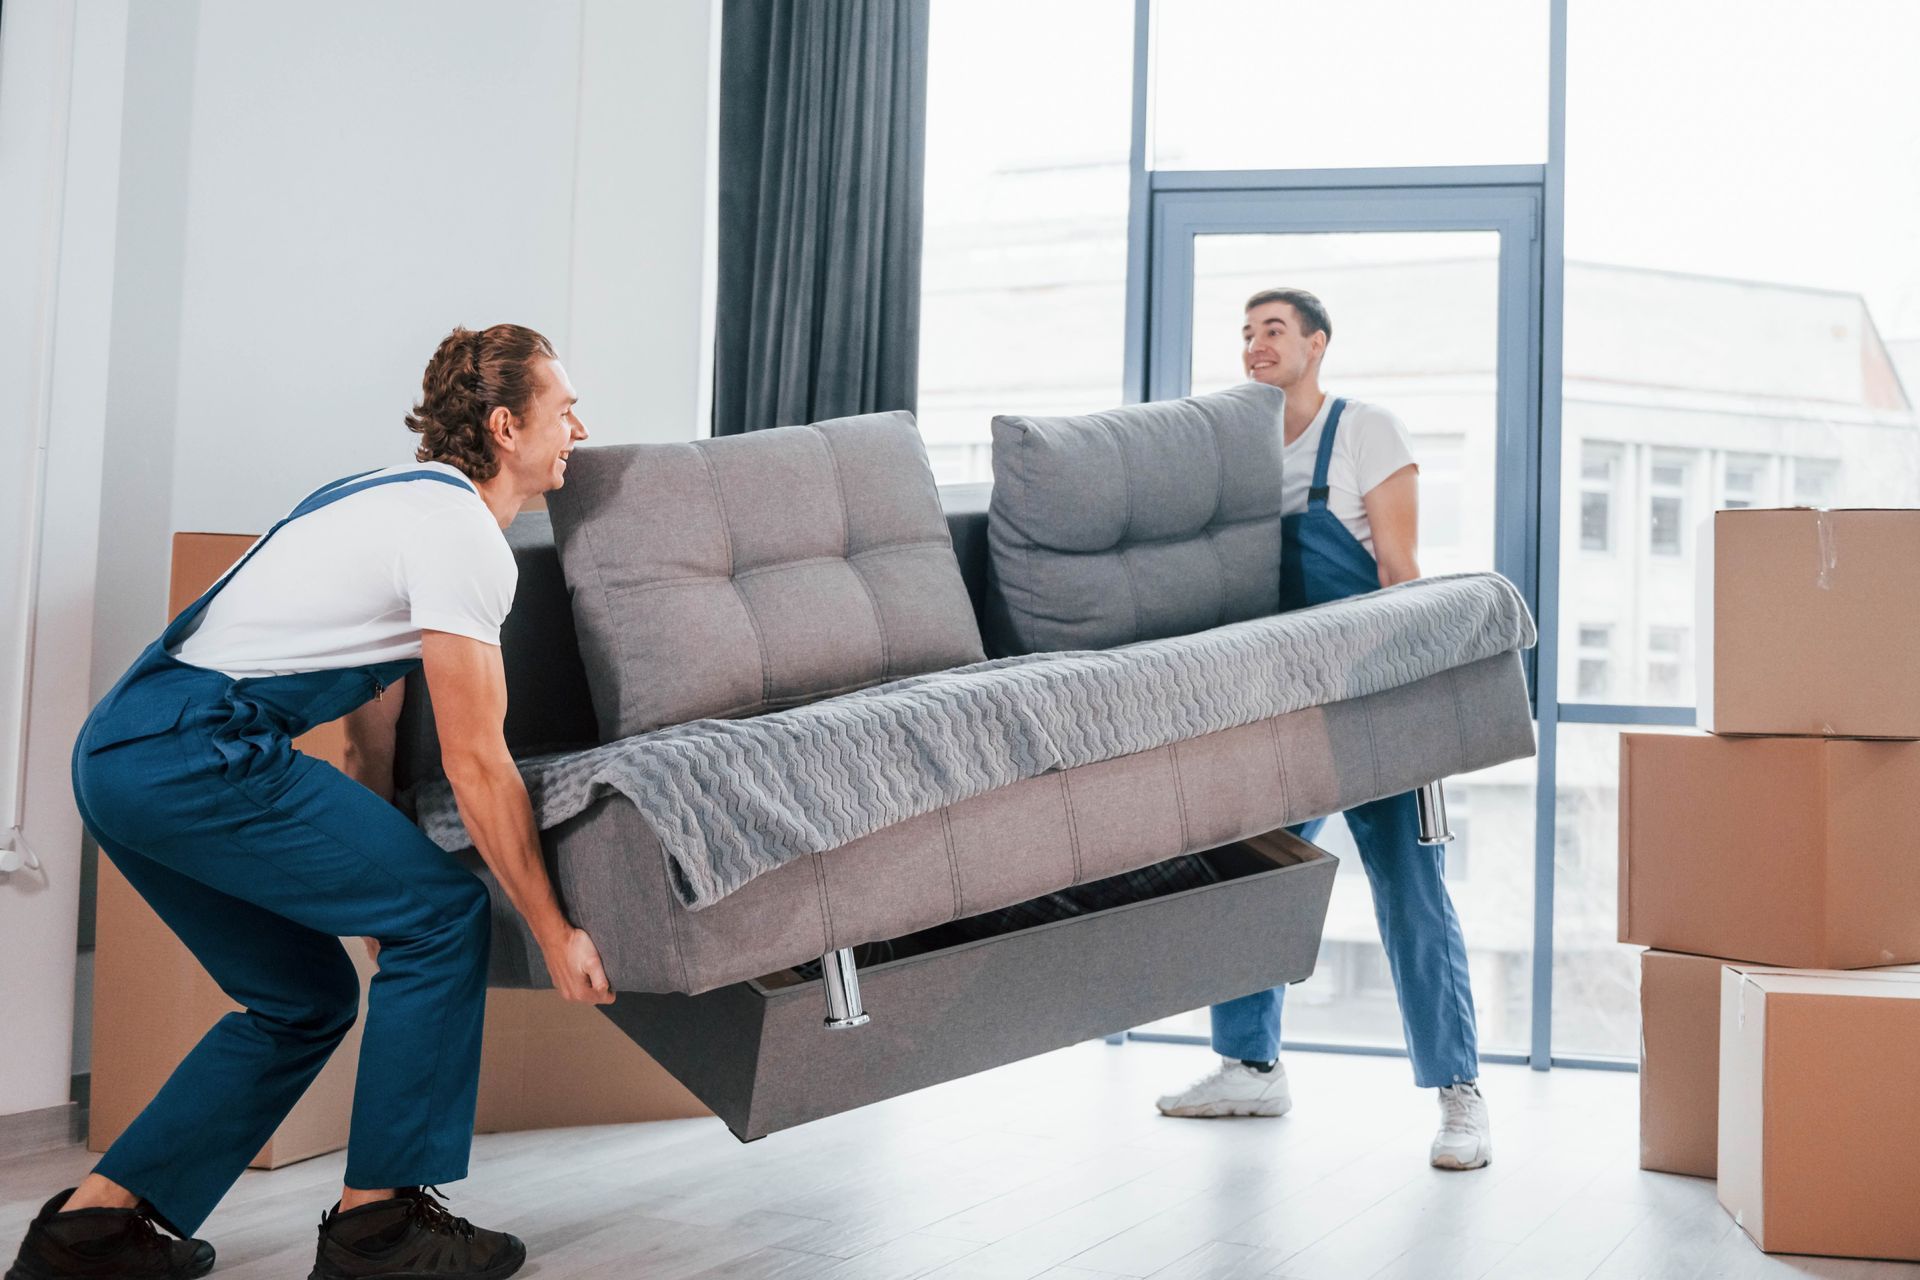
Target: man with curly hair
x,y
261,858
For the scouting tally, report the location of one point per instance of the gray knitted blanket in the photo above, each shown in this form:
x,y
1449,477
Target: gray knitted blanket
x,y
733,799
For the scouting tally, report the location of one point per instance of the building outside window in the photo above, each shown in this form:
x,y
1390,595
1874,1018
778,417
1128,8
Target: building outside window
x,y
1024,266
1745,484
1596,662
1666,651
1599,479
1667,506
1816,482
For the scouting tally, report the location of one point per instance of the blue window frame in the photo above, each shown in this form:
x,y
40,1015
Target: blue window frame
x,y
1526,203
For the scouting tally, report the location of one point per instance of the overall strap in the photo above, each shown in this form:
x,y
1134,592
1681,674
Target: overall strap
x,y
326,495
1317,495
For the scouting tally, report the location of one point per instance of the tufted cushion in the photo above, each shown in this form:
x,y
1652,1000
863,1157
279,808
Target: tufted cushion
x,y
732,576
1153,520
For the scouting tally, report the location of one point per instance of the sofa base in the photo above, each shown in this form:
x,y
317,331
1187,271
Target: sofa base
x,y
761,1055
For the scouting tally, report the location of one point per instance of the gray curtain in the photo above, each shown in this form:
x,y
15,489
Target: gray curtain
x,y
822,156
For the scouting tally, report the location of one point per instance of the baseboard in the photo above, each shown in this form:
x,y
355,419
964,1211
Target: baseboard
x,y
47,1129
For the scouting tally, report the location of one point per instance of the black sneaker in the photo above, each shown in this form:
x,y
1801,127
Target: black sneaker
x,y
105,1244
410,1237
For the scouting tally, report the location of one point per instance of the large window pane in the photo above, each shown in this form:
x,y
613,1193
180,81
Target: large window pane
x,y
1025,258
1489,872
1254,84
1740,315
1596,978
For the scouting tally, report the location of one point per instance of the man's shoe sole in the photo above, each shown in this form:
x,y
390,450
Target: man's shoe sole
x,y
499,1272
1227,1110
1452,1165
19,1272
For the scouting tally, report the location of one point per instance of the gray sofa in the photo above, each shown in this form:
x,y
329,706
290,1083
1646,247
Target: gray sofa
x,y
713,992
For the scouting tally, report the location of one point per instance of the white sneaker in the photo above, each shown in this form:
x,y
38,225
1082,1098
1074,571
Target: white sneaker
x,y
1232,1089
1465,1140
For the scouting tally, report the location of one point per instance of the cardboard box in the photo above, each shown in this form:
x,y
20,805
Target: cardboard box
x,y
1782,851
544,1062
1680,1058
1809,623
1819,1121
1679,1062
548,1064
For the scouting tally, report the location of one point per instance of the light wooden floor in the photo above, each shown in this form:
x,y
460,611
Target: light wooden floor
x,y
1059,1168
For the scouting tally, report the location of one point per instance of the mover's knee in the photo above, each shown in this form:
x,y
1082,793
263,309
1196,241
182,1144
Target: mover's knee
x,y
322,1010
336,1002
469,928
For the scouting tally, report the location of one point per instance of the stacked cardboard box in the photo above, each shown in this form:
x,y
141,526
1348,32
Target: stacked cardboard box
x,y
1771,865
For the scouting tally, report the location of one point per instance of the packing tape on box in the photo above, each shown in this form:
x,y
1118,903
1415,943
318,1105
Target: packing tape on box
x,y
1829,550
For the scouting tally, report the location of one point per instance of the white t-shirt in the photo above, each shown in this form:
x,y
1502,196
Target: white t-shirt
x,y
355,582
1370,445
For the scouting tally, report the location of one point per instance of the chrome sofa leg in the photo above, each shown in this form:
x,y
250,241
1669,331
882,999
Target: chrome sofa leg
x,y
842,980
1432,800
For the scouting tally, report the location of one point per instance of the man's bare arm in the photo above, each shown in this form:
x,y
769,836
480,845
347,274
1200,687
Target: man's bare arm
x,y
370,740
469,709
370,729
1393,513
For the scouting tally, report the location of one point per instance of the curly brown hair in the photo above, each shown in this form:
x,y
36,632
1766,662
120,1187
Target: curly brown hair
x,y
472,373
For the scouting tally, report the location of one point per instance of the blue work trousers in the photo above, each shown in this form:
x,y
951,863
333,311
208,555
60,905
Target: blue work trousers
x,y
1425,950
261,858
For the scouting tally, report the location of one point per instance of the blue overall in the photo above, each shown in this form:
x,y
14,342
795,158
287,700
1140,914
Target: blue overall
x,y
1322,561
261,858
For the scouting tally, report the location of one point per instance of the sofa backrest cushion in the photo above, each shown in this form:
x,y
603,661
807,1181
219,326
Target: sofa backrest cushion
x,y
1152,520
731,576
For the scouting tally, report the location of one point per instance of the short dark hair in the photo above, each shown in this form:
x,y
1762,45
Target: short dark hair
x,y
471,373
1312,312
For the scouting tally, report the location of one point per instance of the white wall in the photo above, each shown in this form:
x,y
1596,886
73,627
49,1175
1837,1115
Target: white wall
x,y
310,196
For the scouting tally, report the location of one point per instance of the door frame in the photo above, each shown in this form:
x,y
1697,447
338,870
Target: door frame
x,y
1543,580
1290,204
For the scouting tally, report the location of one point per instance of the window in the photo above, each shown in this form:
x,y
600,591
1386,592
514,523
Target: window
x,y
1596,978
1024,263
1746,481
1599,467
1595,658
1442,482
1728,340
1666,650
1370,976
1458,850
1666,507
1768,333
1439,83
1816,482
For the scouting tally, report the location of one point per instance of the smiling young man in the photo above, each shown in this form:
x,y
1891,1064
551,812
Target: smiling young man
x,y
260,857
1349,503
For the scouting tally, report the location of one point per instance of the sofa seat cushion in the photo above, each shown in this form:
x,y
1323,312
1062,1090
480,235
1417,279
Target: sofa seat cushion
x,y
1152,520
733,576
